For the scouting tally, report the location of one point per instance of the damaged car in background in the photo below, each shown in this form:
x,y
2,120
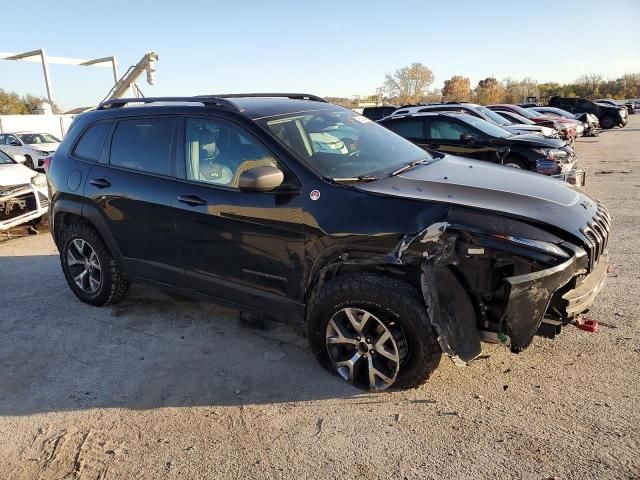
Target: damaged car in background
x,y
23,194
384,255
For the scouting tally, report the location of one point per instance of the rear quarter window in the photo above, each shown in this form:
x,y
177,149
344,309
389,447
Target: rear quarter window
x,y
90,144
143,144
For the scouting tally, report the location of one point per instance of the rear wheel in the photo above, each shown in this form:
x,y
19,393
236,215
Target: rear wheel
x,y
90,270
607,122
373,332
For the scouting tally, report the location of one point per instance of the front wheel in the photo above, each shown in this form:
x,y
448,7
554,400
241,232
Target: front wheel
x,y
29,162
608,122
374,332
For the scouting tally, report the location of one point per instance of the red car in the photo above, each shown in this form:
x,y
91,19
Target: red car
x,y
566,127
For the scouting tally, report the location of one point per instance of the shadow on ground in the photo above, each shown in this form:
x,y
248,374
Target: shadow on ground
x,y
151,350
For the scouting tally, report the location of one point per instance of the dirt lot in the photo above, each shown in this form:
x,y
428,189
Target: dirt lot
x,y
163,387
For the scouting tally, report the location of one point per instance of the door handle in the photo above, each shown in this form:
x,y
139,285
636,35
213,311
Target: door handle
x,y
191,200
100,182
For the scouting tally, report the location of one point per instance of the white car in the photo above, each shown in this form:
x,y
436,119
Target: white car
x,y
34,146
23,194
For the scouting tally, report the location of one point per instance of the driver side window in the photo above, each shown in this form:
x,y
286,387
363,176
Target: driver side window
x,y
444,130
218,153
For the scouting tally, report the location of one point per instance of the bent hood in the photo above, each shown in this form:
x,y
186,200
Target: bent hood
x,y
533,140
529,196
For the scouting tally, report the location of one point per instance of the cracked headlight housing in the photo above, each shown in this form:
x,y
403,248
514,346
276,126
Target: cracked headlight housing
x,y
551,153
39,180
540,245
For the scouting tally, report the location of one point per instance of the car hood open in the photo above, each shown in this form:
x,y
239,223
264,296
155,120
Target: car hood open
x,y
45,147
506,191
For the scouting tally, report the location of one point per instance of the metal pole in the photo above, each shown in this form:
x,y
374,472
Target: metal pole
x,y
45,69
115,70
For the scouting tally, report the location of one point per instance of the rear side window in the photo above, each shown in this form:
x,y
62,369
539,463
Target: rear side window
x,y
407,127
90,144
143,144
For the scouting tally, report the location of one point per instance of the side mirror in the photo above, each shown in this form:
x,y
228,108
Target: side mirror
x,y
467,138
14,144
260,179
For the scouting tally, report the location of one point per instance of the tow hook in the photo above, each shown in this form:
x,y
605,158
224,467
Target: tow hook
x,y
586,324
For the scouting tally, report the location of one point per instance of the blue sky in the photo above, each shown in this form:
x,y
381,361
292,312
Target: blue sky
x,y
339,48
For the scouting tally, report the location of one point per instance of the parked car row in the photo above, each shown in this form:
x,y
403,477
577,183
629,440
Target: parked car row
x,y
384,254
29,148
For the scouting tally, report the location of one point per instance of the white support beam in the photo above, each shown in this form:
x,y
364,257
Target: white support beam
x,y
40,56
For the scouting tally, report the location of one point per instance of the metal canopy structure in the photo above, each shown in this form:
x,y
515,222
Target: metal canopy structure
x,y
40,56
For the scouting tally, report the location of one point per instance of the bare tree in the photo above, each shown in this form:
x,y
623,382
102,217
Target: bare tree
x,y
408,84
457,89
589,85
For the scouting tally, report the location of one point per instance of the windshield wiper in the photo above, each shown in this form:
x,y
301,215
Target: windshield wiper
x,y
361,178
410,165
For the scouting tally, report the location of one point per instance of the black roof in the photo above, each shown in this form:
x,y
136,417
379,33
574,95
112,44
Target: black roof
x,y
251,105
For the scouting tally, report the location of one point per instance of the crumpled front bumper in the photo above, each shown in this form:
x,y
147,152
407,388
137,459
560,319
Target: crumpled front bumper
x,y
22,205
561,292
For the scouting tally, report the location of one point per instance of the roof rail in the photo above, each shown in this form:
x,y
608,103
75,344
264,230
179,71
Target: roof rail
x,y
206,100
292,96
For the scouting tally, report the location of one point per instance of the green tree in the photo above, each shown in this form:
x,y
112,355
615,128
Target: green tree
x,y
13,104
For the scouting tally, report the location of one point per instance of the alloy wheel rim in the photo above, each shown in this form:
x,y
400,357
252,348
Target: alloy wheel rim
x,y
363,349
84,266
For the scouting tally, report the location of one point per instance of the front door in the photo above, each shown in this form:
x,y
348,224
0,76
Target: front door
x,y
246,248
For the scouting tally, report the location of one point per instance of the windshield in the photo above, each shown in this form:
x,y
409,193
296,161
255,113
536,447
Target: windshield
x,y
519,119
499,119
524,112
552,111
484,126
342,144
5,159
33,138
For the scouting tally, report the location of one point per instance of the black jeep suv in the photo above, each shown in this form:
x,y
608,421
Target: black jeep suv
x,y
609,116
285,205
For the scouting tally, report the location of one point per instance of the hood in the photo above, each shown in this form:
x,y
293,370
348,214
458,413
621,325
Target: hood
x,y
15,174
528,196
533,140
524,128
45,147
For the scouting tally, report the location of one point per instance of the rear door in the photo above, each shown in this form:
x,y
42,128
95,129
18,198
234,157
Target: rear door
x,y
133,188
246,248
444,134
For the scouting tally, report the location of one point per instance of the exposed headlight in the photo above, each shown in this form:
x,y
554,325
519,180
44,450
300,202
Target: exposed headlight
x,y
39,180
551,153
546,247
41,153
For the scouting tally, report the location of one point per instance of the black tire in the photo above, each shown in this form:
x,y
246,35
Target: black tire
x,y
607,122
113,283
394,303
29,162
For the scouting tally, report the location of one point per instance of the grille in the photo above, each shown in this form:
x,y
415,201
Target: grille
x,y
597,232
16,206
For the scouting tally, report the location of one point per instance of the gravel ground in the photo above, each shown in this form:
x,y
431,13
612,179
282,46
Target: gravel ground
x,y
163,387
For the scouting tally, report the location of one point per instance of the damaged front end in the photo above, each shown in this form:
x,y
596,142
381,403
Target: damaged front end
x,y
490,278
